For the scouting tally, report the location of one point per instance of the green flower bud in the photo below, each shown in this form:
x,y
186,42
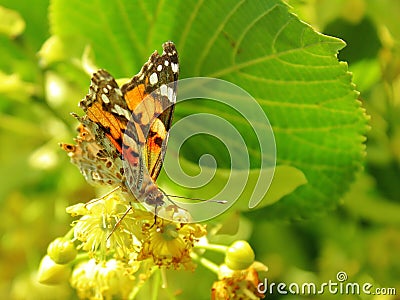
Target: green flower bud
x,y
52,51
61,251
12,24
52,273
239,256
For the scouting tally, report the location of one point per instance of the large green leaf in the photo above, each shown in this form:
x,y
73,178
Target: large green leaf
x,y
290,69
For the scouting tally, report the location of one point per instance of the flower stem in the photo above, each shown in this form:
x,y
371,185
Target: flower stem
x,y
214,247
205,262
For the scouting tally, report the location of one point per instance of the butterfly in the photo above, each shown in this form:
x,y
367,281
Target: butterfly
x,y
122,137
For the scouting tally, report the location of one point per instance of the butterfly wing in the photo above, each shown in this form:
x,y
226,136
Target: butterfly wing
x,y
156,83
111,108
130,123
105,106
100,164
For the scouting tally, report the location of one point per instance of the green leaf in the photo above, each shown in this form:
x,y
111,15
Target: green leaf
x,y
286,179
242,183
363,202
290,69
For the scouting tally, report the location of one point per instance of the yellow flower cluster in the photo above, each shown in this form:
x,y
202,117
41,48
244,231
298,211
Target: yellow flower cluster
x,y
110,226
114,247
120,246
103,279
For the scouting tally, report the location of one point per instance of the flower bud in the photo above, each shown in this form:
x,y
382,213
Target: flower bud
x,y
52,51
12,23
239,256
61,251
52,273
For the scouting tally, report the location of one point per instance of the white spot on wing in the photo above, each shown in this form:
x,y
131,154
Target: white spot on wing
x,y
164,90
153,79
174,67
118,91
94,86
121,111
105,90
105,98
159,68
171,95
95,175
166,63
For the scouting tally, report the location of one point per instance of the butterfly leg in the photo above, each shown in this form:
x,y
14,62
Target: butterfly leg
x,y
155,216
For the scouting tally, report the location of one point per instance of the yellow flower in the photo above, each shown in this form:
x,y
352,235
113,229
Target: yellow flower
x,y
104,280
104,227
169,244
238,284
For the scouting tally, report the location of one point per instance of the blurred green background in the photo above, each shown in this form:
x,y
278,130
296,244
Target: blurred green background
x,y
361,236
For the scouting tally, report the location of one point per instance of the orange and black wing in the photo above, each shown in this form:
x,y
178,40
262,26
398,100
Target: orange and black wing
x,y
105,106
156,84
112,108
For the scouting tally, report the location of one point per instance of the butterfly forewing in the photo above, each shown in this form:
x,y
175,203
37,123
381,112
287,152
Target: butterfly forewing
x,y
157,83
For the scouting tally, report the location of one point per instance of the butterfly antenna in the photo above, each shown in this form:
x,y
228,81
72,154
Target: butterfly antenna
x,y
119,221
211,200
